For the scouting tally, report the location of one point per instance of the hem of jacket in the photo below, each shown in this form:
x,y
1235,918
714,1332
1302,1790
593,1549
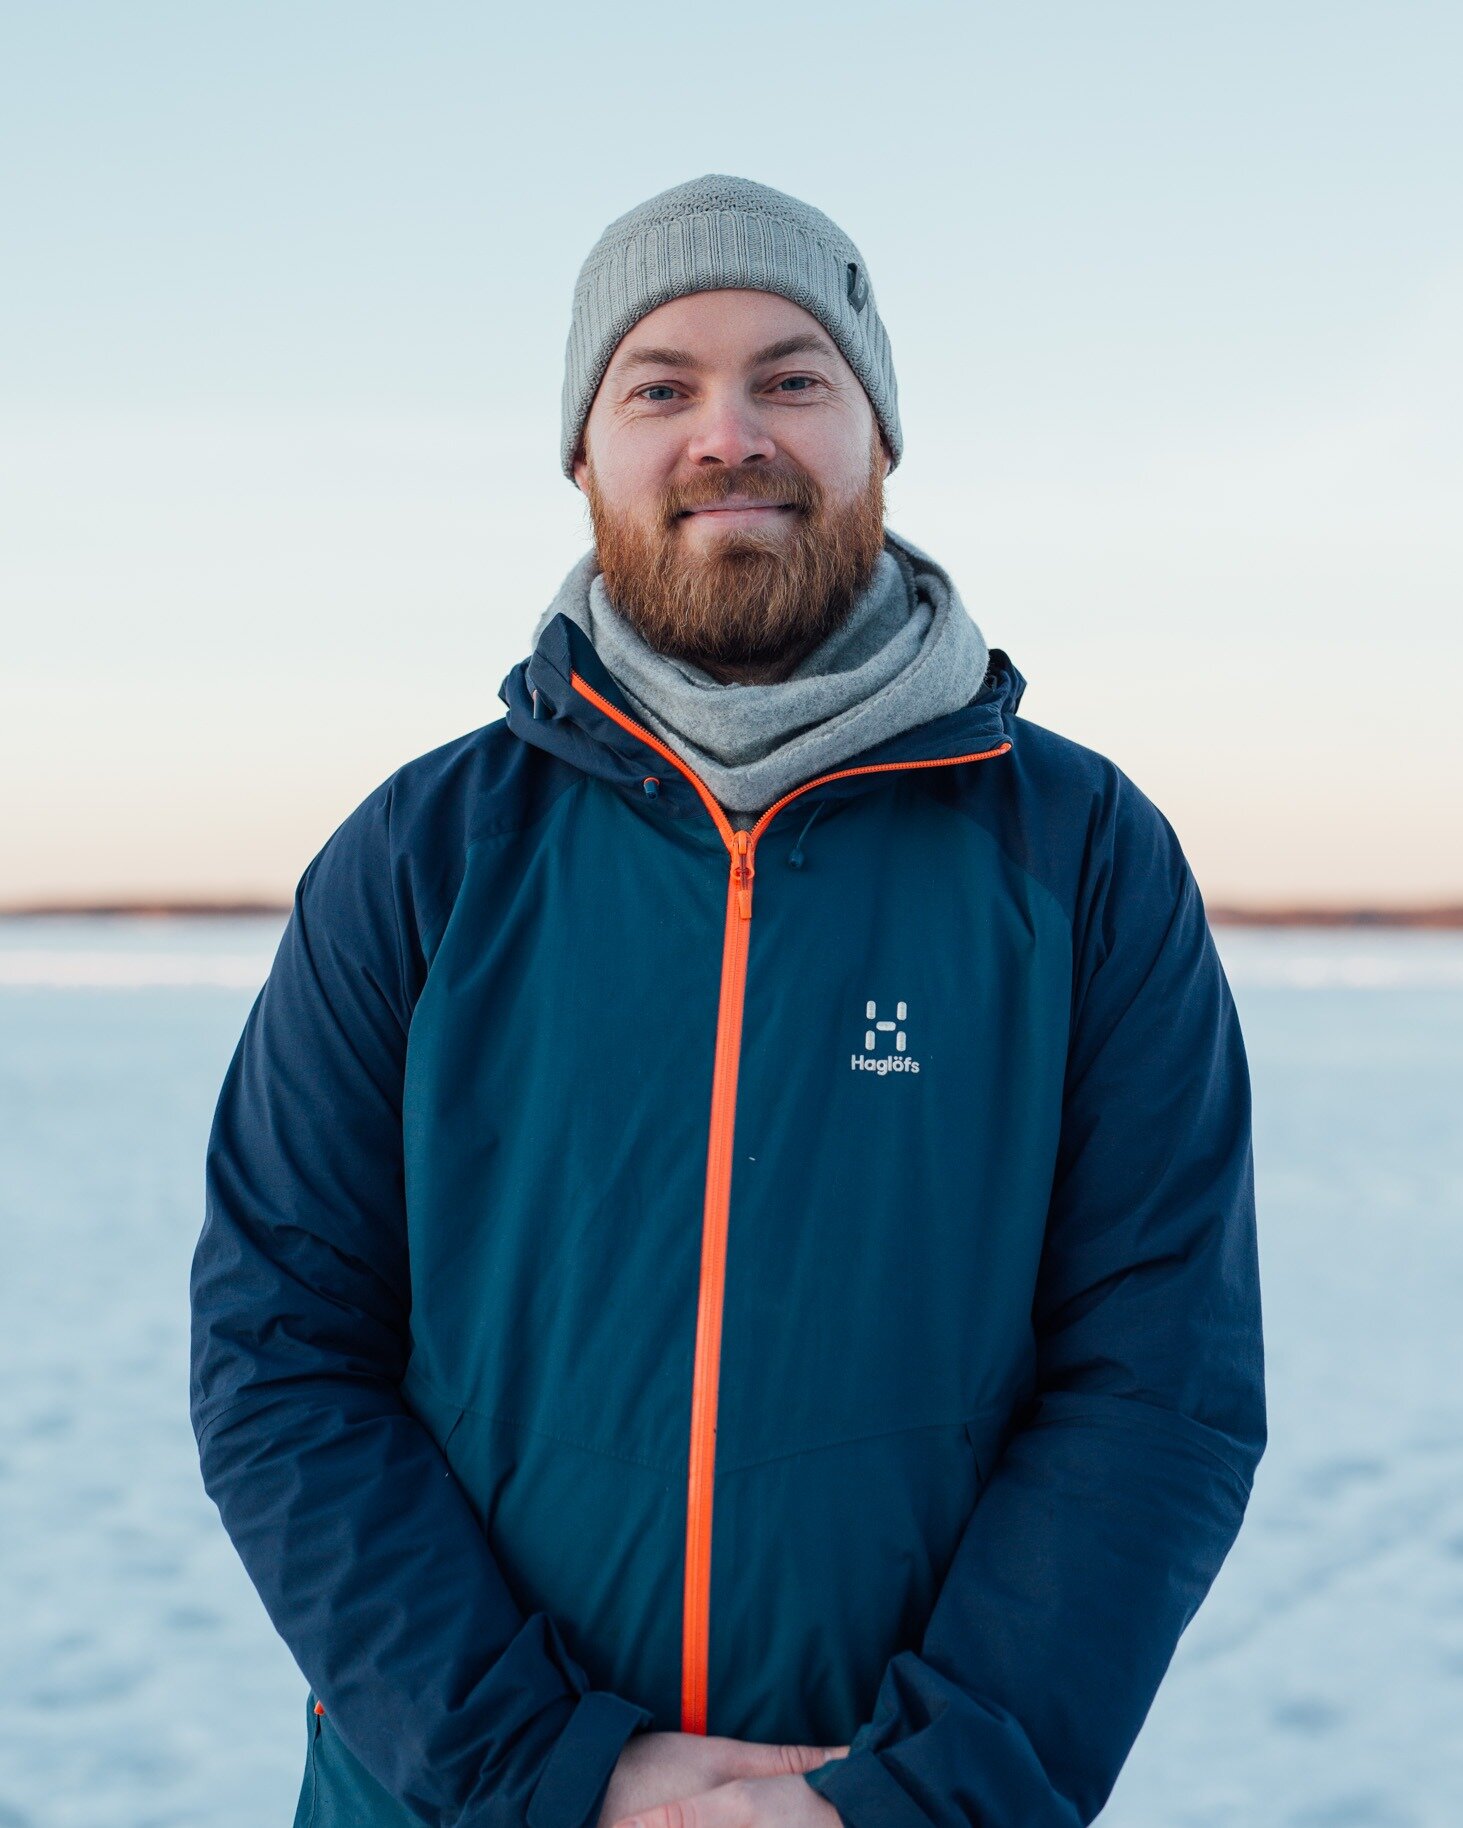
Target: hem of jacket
x,y
576,1776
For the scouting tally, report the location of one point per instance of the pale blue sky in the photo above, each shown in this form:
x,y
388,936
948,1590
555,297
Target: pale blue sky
x,y
1174,293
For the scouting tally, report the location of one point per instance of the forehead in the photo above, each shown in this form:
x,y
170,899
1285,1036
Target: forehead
x,y
731,328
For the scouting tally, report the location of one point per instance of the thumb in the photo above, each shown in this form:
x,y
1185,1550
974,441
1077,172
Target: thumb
x,y
795,1759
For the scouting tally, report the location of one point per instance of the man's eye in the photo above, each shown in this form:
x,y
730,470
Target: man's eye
x,y
661,387
800,381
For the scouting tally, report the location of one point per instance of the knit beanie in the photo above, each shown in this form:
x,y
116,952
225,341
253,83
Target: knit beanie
x,y
720,231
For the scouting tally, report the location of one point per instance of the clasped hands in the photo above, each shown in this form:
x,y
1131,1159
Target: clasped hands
x,y
696,1780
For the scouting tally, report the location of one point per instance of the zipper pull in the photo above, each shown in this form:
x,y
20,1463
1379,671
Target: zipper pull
x,y
743,872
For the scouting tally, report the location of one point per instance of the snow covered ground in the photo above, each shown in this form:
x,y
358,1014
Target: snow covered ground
x,y
141,1684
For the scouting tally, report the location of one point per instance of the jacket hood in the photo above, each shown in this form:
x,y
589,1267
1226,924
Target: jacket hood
x,y
547,709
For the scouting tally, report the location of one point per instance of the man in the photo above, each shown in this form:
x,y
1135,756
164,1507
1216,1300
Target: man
x,y
728,1295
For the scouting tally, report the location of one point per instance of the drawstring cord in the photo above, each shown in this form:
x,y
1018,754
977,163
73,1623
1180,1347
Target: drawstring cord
x,y
795,855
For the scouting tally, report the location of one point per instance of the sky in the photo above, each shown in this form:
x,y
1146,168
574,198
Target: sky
x,y
1174,294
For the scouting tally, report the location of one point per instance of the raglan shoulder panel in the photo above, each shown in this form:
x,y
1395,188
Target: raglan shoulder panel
x,y
1075,821
385,880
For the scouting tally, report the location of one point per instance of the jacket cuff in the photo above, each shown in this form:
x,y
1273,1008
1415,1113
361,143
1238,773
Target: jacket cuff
x,y
571,1788
864,1793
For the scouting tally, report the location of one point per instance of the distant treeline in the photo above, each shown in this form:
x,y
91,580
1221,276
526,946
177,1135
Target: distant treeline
x,y
161,909
1299,914
1447,915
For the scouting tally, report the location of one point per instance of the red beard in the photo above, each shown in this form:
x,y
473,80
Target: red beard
x,y
754,601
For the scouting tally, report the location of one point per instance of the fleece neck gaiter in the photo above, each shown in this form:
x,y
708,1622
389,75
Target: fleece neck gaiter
x,y
908,652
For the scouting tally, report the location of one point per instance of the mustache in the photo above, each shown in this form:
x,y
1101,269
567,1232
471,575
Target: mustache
x,y
794,487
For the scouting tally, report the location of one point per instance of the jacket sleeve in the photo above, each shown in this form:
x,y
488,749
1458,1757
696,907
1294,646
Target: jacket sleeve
x,y
1123,1484
363,1547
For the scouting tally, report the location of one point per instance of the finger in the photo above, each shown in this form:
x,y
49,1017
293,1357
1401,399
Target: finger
x,y
716,1808
792,1760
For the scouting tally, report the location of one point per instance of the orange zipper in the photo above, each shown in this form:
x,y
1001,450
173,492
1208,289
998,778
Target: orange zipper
x,y
701,1475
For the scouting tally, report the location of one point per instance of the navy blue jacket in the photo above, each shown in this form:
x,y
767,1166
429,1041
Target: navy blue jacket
x,y
795,1282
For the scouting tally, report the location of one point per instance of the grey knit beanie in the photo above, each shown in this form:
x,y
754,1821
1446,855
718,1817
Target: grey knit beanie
x,y
721,231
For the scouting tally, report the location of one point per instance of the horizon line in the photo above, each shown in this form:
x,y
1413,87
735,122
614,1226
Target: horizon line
x,y
1440,915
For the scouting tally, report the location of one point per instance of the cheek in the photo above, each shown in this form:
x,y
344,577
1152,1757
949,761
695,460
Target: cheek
x,y
834,454
634,480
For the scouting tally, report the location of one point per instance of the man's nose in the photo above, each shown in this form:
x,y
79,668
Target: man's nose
x,y
729,430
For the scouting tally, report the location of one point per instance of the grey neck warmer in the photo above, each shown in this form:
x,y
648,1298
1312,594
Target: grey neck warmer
x,y
909,652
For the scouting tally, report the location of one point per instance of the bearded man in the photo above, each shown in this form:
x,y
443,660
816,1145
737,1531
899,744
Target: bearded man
x,y
702,1321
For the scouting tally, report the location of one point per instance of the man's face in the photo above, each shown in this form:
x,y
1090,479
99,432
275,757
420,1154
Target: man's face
x,y
735,476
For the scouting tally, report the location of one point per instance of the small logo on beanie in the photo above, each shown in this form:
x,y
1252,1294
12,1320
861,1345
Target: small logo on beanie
x,y
858,286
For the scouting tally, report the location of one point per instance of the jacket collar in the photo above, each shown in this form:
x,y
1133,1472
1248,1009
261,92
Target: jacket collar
x,y
546,709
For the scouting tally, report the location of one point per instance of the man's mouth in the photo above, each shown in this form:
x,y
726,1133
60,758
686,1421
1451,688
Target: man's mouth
x,y
738,506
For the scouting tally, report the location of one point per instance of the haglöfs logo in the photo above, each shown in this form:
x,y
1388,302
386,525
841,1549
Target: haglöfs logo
x,y
875,1058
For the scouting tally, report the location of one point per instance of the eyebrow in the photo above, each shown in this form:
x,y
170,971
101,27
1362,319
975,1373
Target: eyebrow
x,y
804,343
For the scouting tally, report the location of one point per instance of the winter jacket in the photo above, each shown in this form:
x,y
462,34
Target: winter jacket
x,y
795,1282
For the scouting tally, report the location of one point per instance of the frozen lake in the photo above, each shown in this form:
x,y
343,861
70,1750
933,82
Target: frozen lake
x,y
1321,1685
